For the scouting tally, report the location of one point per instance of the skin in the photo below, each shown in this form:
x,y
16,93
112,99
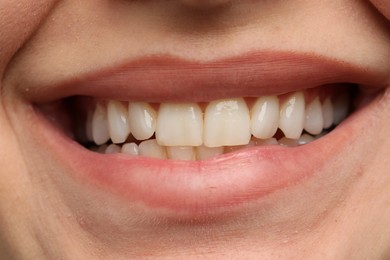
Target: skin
x,y
42,218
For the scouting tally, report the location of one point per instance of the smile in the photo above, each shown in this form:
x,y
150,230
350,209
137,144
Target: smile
x,y
196,138
192,131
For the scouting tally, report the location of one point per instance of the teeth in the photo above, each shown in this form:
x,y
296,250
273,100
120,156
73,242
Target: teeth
x,y
230,149
263,142
314,121
130,148
112,148
150,148
203,152
327,113
292,115
185,153
227,122
100,134
179,125
142,119
341,108
184,132
265,117
118,122
304,139
288,142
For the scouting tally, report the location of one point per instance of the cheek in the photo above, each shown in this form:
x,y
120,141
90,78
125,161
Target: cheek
x,y
18,20
383,6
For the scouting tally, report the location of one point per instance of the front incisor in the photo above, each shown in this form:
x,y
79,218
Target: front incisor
x,y
227,122
179,124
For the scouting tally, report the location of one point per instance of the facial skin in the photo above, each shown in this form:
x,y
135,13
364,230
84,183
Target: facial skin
x,y
46,214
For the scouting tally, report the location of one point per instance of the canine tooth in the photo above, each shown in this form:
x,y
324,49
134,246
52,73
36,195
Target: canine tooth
x,y
100,132
179,125
227,122
265,117
314,121
327,113
142,119
340,108
292,115
150,148
203,152
118,122
130,148
185,153
113,148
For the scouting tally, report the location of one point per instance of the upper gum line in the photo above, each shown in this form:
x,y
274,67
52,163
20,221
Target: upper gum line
x,y
220,123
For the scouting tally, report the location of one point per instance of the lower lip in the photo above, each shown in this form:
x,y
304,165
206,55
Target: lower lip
x,y
196,187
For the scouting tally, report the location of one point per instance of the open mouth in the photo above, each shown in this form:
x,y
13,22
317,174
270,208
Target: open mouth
x,y
164,133
200,131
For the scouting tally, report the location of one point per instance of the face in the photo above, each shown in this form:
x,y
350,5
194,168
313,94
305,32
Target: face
x,y
196,128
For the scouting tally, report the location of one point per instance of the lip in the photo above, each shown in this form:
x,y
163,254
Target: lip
x,y
217,184
158,78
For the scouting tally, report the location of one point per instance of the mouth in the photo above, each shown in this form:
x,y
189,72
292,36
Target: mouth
x,y
204,130
194,137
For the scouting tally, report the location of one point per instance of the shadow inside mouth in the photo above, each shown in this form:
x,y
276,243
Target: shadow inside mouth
x,y
74,115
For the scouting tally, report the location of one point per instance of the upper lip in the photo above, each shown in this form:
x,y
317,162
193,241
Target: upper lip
x,y
160,78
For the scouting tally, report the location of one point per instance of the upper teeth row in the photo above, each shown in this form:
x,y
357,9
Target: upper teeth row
x,y
225,122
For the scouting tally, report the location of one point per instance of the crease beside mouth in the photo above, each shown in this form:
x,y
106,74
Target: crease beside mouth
x,y
200,131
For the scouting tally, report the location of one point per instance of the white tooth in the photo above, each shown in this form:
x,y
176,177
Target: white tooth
x,y
305,139
264,142
230,149
288,142
340,108
265,117
118,122
142,119
100,132
327,113
150,148
179,125
113,148
130,148
227,122
185,153
314,121
292,115
203,152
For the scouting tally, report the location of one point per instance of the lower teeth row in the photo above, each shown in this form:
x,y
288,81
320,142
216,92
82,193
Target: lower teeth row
x,y
150,148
